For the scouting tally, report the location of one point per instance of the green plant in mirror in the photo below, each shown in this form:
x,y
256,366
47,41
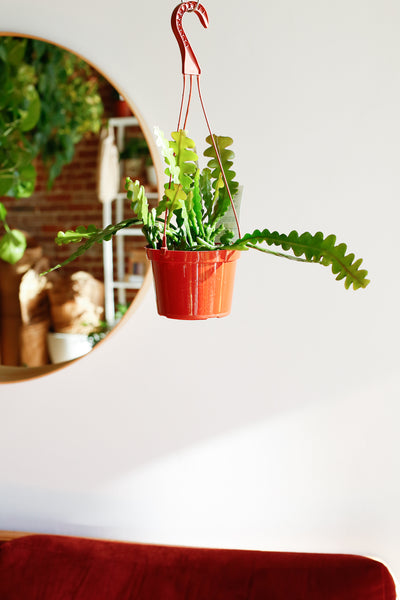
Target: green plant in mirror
x,y
195,202
104,328
135,147
71,105
13,242
19,114
49,100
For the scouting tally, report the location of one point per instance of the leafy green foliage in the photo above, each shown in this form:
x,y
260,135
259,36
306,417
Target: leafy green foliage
x,y
19,113
135,147
3,213
91,235
314,248
104,327
222,203
13,242
12,246
185,156
194,202
140,206
71,105
172,168
48,101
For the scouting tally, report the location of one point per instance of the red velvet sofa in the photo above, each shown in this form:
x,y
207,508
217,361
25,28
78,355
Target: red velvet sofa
x,y
48,567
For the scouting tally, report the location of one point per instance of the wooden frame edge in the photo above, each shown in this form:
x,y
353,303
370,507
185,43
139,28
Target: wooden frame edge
x,y
12,375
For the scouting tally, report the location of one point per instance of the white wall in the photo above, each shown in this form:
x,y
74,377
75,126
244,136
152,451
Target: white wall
x,y
276,428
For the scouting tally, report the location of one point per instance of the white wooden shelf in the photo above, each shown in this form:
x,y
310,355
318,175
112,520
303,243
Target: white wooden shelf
x,y
119,281
135,283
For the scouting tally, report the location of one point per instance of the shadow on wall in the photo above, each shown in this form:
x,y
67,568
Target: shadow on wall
x,y
285,480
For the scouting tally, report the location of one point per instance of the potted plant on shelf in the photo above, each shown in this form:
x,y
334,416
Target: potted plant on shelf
x,y
192,250
134,155
122,108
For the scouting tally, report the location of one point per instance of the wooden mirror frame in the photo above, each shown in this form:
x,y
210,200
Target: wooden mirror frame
x,y
15,374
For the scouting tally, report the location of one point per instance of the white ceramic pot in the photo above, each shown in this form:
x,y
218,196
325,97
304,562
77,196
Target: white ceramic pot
x,y
67,346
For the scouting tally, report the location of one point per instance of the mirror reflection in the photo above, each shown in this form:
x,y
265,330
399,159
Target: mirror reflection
x,y
68,139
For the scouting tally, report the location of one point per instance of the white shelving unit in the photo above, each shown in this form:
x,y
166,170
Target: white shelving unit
x,y
117,281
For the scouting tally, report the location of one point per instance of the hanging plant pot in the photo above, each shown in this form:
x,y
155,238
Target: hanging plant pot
x,y
200,209
193,285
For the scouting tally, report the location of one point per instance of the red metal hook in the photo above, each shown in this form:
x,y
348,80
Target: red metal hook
x,y
190,66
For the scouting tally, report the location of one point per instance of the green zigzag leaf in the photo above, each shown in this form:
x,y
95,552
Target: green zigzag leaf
x,y
139,203
173,199
222,198
206,191
92,235
315,248
186,157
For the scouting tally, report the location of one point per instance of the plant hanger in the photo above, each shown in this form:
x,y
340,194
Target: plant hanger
x,y
191,69
191,241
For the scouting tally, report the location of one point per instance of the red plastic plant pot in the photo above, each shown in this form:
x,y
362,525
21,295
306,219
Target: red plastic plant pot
x,y
193,285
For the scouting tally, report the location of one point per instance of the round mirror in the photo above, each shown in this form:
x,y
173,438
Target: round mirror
x,y
68,140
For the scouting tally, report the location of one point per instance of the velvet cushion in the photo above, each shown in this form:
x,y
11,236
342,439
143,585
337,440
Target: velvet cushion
x,y
44,567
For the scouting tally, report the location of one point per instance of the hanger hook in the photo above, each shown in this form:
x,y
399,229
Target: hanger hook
x,y
197,5
190,66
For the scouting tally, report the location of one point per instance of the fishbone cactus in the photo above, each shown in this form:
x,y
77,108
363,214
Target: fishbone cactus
x,y
194,203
